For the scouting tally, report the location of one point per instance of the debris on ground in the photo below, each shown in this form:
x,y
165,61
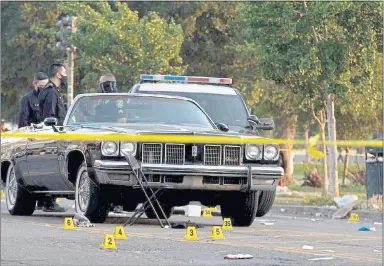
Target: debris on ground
x,y
345,200
318,214
315,220
376,250
367,229
307,247
265,223
238,256
322,258
183,225
377,223
343,212
327,250
282,210
80,220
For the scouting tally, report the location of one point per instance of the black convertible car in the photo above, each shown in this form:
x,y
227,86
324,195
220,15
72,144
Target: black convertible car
x,y
96,175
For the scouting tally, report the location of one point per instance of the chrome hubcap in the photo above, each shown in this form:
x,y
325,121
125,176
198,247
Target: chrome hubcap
x,y
83,196
12,188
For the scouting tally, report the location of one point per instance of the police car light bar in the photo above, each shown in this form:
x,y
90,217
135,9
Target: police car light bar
x,y
186,79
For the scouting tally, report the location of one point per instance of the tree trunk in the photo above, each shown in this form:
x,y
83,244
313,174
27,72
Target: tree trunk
x,y
333,175
321,123
346,163
290,133
307,155
325,166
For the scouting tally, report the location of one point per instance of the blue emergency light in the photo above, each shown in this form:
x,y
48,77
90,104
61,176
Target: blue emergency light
x,y
186,79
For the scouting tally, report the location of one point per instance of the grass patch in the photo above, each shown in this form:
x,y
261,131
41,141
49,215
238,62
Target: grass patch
x,y
318,201
300,169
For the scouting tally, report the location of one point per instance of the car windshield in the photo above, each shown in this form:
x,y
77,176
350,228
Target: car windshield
x,y
227,109
136,109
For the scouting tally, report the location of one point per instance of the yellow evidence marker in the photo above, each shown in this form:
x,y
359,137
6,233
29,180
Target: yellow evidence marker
x,y
191,234
2,194
109,242
68,224
120,233
207,213
354,218
227,224
217,233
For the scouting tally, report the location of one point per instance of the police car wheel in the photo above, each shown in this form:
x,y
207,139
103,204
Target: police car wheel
x,y
19,201
88,197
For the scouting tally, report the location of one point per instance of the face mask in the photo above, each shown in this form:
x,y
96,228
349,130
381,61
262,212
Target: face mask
x,y
64,81
108,87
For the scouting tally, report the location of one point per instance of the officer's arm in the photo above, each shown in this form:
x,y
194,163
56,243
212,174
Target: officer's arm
x,y
24,112
49,105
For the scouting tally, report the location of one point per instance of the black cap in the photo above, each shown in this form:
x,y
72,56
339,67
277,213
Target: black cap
x,y
40,76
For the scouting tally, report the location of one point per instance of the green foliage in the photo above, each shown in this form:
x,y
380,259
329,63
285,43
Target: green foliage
x,y
121,43
27,47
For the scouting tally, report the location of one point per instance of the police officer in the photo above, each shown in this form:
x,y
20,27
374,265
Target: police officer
x,y
29,106
109,111
50,100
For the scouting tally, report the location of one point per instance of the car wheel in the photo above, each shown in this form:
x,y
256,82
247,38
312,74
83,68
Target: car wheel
x,y
19,201
88,197
266,200
166,208
241,208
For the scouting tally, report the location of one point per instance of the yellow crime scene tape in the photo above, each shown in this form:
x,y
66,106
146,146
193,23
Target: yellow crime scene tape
x,y
313,141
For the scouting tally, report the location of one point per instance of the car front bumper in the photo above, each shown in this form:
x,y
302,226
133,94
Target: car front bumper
x,y
203,177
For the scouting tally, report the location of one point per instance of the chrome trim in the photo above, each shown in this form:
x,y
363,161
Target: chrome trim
x,y
220,154
54,191
174,144
239,154
258,171
146,143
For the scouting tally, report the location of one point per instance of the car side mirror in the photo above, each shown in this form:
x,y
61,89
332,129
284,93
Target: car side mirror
x,y
222,127
261,123
50,121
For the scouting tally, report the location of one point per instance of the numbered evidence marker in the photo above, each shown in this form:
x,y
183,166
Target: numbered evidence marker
x,y
227,224
207,213
109,242
354,218
68,224
191,234
120,233
217,233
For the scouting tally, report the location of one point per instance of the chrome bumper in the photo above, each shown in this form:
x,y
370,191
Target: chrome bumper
x,y
263,177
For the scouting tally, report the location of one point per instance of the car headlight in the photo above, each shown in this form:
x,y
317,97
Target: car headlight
x,y
253,152
128,148
271,152
110,148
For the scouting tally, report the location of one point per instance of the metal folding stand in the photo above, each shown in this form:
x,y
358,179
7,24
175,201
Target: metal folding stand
x,y
143,184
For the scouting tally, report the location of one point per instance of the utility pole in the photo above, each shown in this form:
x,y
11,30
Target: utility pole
x,y
67,28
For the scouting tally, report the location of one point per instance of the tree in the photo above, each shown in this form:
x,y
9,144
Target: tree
x,y
320,50
119,42
361,115
27,47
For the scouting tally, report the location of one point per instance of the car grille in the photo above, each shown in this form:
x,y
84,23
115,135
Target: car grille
x,y
152,153
232,155
212,154
174,153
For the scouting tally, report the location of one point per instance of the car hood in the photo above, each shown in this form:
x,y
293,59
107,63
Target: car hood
x,y
154,129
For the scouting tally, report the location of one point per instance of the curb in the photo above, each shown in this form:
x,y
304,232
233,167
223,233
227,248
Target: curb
x,y
322,211
297,210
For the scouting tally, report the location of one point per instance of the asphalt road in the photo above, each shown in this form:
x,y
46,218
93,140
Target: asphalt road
x,y
41,240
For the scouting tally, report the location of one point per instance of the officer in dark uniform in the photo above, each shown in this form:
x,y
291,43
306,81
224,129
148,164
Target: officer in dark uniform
x,y
51,104
50,100
29,106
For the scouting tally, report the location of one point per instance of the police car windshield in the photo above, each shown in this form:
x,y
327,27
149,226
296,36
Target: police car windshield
x,y
121,109
227,109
